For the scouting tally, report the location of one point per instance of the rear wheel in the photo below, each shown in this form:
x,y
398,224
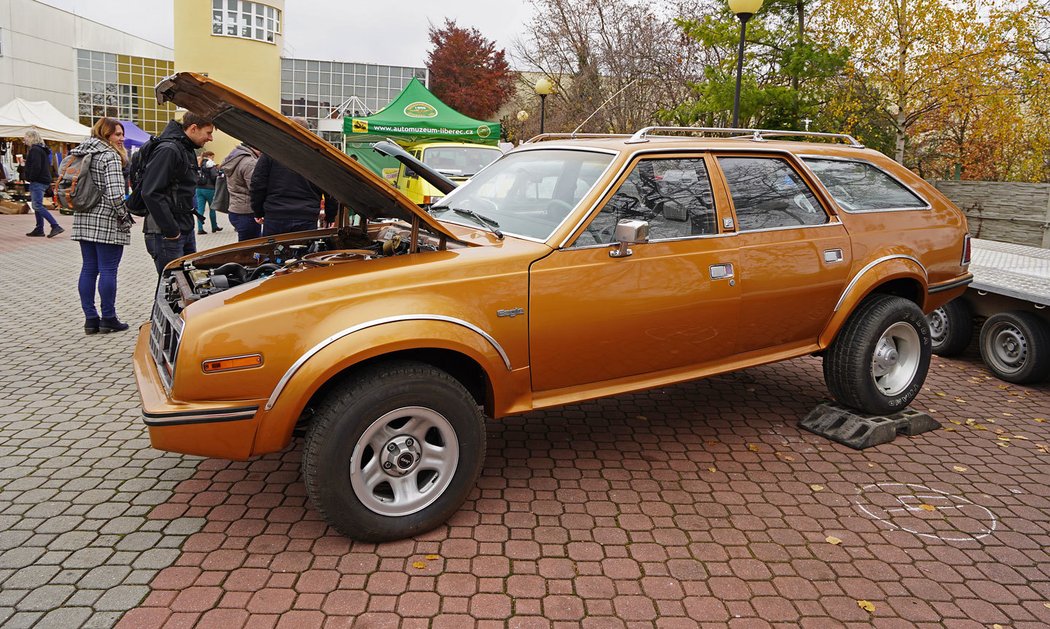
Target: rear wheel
x,y
880,358
951,328
395,453
1016,347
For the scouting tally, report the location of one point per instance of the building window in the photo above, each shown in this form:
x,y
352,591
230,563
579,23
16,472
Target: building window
x,y
248,20
331,89
121,87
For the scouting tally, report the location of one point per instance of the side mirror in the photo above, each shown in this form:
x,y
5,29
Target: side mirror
x,y
629,232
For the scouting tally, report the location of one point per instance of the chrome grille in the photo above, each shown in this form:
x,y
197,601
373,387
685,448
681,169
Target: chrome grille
x,y
165,332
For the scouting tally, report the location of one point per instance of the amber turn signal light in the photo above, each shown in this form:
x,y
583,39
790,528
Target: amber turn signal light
x,y
234,362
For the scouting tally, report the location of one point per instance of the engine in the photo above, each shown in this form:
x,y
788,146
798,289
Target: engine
x,y
212,273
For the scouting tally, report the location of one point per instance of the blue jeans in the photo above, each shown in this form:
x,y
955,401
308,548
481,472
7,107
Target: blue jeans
x,y
272,226
36,197
100,265
164,251
202,197
245,225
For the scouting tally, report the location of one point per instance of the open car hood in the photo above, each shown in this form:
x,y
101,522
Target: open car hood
x,y
326,166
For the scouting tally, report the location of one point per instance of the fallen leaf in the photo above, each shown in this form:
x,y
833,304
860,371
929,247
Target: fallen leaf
x,y
817,487
752,447
959,468
1002,438
1002,445
980,427
710,469
926,507
866,606
950,428
433,557
990,420
641,417
939,394
971,421
1008,414
960,400
1022,437
419,564
871,465
997,626
831,539
956,422
1039,420
1046,605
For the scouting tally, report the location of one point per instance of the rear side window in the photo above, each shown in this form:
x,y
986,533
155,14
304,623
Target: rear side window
x,y
862,187
768,193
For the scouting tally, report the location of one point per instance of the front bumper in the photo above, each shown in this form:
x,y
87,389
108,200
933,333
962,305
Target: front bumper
x,y
220,429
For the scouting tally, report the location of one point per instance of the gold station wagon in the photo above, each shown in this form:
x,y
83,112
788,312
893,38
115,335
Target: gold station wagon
x,y
569,269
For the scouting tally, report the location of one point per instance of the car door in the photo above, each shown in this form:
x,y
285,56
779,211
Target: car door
x,y
794,253
670,304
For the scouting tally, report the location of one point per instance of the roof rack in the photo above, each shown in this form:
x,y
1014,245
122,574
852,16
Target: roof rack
x,y
755,135
572,136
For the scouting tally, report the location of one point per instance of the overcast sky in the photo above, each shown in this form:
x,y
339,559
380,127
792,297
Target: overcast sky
x,y
336,30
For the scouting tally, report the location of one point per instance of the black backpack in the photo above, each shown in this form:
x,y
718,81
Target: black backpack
x,y
220,201
136,204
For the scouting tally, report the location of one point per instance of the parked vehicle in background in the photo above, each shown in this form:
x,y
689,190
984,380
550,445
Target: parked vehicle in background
x,y
456,161
1008,299
569,269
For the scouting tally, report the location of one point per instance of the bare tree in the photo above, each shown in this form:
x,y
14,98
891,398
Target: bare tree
x,y
593,49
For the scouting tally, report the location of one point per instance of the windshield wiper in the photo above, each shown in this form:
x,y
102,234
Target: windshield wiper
x,y
485,221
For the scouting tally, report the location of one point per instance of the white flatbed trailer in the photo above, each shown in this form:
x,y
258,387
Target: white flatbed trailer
x,y
1010,299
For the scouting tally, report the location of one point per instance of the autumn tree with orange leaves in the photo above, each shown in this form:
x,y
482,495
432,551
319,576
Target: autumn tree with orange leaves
x,y
467,72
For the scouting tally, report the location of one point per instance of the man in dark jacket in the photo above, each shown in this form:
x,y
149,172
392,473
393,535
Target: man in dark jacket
x,y
284,201
38,174
168,187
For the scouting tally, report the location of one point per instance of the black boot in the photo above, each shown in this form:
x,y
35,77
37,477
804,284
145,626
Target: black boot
x,y
36,233
91,325
111,324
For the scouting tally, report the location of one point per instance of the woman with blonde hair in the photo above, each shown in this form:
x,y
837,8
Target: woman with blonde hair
x,y
104,230
38,174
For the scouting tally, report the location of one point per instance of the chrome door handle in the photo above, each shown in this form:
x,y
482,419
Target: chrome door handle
x,y
832,256
721,271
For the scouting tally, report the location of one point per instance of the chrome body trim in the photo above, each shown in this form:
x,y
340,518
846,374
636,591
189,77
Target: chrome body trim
x,y
871,265
803,157
283,382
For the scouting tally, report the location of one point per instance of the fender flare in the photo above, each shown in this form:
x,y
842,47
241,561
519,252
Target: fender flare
x,y
362,342
870,277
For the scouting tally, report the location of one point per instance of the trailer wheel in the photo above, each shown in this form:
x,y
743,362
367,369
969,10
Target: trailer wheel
x,y
1016,347
951,328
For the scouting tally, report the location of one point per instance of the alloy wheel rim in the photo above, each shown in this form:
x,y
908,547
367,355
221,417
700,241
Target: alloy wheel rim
x,y
895,360
404,461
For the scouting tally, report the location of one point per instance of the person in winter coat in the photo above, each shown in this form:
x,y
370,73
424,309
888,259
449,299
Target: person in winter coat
x,y
104,230
169,183
38,174
238,168
207,173
284,201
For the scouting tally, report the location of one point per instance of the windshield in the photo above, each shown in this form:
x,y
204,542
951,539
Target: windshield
x,y
459,161
528,193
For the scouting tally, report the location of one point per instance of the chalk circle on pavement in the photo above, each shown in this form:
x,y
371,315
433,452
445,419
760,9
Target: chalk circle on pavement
x,y
925,512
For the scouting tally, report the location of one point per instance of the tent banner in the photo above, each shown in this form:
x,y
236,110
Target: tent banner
x,y
483,133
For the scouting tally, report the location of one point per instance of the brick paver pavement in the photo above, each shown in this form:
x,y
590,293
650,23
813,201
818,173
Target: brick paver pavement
x,y
697,505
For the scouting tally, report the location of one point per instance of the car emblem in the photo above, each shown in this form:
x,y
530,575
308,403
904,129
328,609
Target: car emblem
x,y
510,313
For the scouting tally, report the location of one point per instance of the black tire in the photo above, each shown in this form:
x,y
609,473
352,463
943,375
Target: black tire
x,y
390,404
1016,347
879,387
951,328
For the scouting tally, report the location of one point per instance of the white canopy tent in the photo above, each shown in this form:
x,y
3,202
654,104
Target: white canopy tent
x,y
20,116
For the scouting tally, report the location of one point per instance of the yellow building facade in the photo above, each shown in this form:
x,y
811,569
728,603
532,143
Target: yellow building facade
x,y
237,42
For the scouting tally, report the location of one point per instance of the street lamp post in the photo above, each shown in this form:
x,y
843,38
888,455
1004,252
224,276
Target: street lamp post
x,y
743,9
544,87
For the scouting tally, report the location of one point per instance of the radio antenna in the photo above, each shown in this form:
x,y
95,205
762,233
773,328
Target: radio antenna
x,y
609,100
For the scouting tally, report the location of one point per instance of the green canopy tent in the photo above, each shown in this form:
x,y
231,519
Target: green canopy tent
x,y
414,116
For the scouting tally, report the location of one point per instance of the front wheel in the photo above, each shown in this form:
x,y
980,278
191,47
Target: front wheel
x,y
1016,347
880,358
395,453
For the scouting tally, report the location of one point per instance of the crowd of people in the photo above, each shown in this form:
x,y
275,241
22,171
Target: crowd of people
x,y
173,187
